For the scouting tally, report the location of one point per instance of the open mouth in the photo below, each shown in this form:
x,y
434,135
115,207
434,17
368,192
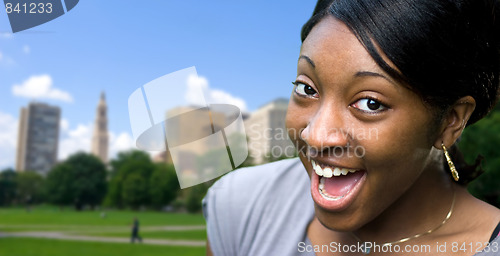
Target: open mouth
x,y
335,188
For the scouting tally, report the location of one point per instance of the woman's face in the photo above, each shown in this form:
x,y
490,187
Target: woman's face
x,y
366,131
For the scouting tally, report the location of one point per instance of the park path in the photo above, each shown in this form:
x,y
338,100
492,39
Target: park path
x,y
65,236
105,228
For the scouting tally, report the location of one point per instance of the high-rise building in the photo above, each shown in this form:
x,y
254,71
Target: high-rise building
x,y
38,138
100,138
267,134
181,127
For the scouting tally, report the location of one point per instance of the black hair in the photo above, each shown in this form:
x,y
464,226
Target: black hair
x,y
444,50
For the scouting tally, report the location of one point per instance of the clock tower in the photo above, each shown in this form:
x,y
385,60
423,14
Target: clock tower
x,y
100,139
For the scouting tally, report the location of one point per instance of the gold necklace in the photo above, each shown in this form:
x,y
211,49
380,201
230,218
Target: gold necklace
x,y
450,212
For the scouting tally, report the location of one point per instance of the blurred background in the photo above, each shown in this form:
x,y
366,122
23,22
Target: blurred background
x,y
71,179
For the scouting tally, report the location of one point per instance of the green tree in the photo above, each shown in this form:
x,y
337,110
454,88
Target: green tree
x,y
213,162
114,196
194,196
163,185
29,187
135,191
80,180
483,138
59,185
7,187
128,163
132,161
90,179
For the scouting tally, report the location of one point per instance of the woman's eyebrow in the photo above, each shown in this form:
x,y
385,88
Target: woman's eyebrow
x,y
370,73
308,60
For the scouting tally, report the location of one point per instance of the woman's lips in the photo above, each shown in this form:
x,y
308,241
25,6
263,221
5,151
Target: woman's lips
x,y
336,188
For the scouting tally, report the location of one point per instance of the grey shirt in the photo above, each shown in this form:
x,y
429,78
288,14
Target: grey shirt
x,y
264,210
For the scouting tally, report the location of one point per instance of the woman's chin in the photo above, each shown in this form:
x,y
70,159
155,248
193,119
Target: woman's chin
x,y
338,222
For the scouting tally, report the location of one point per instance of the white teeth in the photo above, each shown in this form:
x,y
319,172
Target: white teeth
x,y
317,169
327,172
336,171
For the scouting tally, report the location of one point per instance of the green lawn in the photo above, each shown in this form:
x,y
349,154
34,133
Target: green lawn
x,y
99,231
46,247
90,223
53,216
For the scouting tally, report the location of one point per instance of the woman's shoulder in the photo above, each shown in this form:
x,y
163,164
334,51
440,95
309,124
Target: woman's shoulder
x,y
259,185
475,220
260,174
249,211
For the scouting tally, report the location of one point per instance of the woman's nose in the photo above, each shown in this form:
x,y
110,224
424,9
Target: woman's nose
x,y
326,130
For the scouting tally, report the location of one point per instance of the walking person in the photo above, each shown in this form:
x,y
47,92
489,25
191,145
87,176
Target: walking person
x,y
135,231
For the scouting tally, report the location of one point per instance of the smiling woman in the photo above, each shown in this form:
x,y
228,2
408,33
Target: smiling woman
x,y
417,72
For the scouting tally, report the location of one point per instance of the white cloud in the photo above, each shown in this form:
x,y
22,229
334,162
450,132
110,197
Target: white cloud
x,y
197,83
197,87
219,96
75,140
80,139
8,140
6,35
40,87
6,61
26,49
64,125
119,143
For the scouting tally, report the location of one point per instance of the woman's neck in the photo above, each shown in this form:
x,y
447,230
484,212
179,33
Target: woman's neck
x,y
422,207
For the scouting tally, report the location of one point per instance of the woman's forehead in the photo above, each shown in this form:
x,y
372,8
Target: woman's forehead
x,y
331,41
331,45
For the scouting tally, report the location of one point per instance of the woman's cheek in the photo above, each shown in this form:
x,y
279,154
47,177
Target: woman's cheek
x,y
396,152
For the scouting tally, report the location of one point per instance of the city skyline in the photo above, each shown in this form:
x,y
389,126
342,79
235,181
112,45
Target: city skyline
x,y
245,53
98,135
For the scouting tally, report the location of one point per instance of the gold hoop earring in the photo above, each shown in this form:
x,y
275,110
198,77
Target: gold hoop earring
x,y
454,172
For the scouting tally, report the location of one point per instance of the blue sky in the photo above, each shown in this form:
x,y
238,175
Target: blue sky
x,y
248,49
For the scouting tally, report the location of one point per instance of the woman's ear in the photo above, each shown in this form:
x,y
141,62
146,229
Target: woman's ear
x,y
454,121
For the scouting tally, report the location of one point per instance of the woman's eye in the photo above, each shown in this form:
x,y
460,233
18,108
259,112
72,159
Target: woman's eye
x,y
304,90
369,105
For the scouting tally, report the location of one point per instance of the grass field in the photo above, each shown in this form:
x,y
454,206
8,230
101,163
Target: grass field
x,y
45,247
47,215
116,224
